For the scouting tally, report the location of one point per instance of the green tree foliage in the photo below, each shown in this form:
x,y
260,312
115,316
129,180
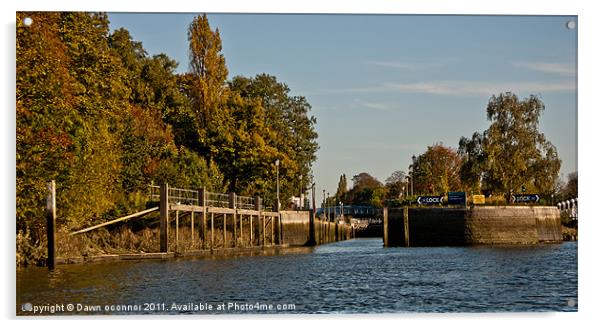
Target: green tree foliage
x,y
437,171
46,118
512,153
207,88
280,127
366,190
570,189
472,169
342,187
395,185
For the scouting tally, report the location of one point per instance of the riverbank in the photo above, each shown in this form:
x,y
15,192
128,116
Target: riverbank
x,y
139,240
200,254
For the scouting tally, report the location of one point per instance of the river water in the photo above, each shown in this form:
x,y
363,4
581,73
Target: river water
x,y
354,276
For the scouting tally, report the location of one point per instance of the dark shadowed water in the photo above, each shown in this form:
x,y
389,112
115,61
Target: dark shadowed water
x,y
354,276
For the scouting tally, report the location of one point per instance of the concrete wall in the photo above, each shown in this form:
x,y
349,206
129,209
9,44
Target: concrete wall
x,y
473,226
437,226
295,229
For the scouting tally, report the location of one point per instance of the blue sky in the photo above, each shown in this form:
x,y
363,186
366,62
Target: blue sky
x,y
384,87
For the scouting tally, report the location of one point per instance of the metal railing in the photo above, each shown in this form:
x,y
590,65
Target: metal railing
x,y
212,199
247,203
183,196
154,193
175,195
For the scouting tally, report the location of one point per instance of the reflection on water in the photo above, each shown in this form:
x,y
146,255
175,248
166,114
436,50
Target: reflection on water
x,y
354,276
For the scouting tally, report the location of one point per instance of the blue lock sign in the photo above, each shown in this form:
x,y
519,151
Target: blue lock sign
x,y
430,200
525,198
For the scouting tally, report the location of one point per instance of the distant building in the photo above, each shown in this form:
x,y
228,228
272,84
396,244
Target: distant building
x,y
297,202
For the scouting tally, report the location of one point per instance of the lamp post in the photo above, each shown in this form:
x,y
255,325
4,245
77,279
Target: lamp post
x,y
300,191
412,173
327,204
324,202
277,185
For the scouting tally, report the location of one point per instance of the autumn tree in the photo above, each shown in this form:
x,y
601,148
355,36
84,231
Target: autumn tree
x,y
437,171
208,74
512,153
102,118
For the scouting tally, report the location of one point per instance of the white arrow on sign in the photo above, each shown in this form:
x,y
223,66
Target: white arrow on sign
x,y
428,199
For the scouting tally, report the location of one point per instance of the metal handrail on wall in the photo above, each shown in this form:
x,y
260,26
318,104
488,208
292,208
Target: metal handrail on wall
x,y
212,199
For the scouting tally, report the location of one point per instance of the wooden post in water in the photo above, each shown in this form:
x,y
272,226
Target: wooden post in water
x,y
273,232
251,230
225,225
202,203
164,220
406,226
212,239
258,209
311,240
263,229
177,230
51,224
232,204
386,226
336,231
192,238
242,216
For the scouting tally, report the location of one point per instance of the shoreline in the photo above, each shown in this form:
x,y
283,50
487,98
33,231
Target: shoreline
x,y
201,254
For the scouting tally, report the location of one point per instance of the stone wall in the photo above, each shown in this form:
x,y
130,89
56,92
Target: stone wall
x,y
472,226
295,229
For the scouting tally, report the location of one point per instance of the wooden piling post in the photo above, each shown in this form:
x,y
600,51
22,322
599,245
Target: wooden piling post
x,y
273,232
386,226
336,231
232,204
311,240
212,239
177,229
51,224
225,225
192,238
406,226
203,203
263,229
241,218
258,209
280,229
164,220
251,230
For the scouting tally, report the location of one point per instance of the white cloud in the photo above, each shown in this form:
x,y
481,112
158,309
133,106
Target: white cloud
x,y
458,88
373,105
476,88
407,66
547,67
413,65
385,147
